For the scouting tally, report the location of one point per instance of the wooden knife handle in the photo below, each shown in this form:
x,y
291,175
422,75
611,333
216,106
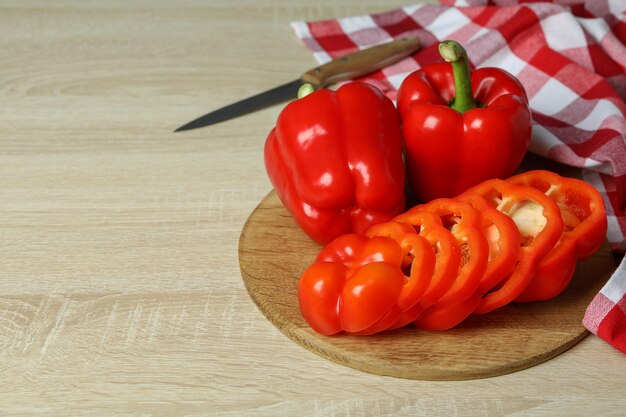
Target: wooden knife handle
x,y
361,63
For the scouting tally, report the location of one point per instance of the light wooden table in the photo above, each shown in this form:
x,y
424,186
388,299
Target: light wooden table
x,y
121,290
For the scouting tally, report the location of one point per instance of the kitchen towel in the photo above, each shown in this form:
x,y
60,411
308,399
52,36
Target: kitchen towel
x,y
606,315
570,55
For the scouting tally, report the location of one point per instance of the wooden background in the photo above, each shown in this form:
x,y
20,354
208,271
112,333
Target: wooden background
x,y
121,290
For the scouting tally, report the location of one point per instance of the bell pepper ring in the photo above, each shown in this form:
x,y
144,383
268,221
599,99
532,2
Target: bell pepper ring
x,y
335,160
503,238
461,127
448,258
504,242
447,251
585,227
464,223
540,225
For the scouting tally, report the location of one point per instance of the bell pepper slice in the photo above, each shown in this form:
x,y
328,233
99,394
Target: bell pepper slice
x,y
539,222
448,258
504,243
584,217
425,266
503,238
421,269
465,224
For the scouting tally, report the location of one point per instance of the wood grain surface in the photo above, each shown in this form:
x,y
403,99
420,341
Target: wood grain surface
x,y
121,289
274,252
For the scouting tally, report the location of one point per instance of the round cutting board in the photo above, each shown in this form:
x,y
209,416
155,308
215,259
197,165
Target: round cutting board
x,y
273,253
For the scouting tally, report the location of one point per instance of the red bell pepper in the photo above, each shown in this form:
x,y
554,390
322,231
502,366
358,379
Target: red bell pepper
x,y
461,127
335,160
584,216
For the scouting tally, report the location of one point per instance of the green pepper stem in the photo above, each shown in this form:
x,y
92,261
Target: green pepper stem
x,y
454,53
305,89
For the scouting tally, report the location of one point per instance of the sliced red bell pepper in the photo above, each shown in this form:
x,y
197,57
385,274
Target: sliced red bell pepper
x,y
357,284
539,222
447,251
448,257
504,242
584,216
461,127
335,160
465,224
328,291
500,241
420,264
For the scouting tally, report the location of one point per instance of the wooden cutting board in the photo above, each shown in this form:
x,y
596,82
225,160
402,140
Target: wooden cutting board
x,y
273,253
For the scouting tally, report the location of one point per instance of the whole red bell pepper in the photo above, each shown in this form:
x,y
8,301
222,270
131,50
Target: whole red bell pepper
x,y
461,127
335,160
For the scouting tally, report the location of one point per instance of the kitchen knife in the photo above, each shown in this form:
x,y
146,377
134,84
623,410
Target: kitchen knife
x,y
345,68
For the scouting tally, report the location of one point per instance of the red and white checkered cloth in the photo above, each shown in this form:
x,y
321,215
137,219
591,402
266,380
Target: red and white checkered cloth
x,y
606,315
570,55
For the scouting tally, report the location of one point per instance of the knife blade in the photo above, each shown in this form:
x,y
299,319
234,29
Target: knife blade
x,y
344,68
